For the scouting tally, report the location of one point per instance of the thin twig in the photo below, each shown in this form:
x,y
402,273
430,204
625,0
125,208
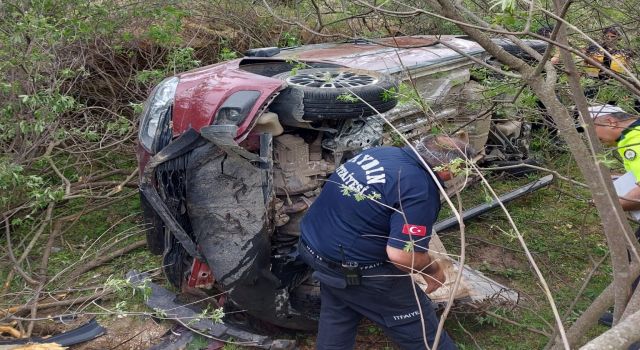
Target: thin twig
x,y
555,173
12,257
92,264
69,302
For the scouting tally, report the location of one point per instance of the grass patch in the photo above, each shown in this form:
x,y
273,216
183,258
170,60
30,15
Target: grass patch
x,y
562,231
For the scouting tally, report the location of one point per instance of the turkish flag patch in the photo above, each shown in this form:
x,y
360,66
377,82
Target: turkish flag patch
x,y
415,230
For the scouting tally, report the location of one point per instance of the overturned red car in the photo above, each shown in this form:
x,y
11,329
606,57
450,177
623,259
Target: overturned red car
x,y
232,155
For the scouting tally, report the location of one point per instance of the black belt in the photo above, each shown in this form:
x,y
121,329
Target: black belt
x,y
332,264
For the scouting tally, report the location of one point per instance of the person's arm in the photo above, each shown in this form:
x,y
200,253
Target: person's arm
x,y
418,262
410,230
634,203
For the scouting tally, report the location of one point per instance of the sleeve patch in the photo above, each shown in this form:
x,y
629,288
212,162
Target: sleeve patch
x,y
629,154
415,230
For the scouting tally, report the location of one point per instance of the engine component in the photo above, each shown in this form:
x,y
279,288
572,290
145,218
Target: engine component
x,y
509,128
293,172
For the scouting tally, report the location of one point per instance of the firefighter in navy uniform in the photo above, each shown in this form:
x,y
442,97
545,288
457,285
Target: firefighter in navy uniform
x,y
372,223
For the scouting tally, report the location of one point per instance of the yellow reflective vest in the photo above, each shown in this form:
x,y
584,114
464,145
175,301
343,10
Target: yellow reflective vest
x,y
620,60
629,148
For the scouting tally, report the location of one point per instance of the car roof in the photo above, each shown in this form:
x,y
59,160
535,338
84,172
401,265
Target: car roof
x,y
389,55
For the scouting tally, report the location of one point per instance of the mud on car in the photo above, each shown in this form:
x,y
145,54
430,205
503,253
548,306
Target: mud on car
x,y
232,155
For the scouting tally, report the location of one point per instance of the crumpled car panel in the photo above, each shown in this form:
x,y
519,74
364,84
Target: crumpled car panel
x,y
231,225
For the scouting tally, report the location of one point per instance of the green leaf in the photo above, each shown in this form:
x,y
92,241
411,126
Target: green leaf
x,y
408,246
375,196
359,196
347,97
345,190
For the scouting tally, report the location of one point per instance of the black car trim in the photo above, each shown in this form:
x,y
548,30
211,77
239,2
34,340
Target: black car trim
x,y
183,144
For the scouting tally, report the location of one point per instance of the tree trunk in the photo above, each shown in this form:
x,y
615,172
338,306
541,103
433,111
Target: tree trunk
x,y
619,337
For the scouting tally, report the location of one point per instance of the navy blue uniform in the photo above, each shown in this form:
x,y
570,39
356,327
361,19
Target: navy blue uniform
x,y
383,196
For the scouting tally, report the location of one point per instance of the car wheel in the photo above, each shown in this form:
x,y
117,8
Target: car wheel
x,y
330,93
306,298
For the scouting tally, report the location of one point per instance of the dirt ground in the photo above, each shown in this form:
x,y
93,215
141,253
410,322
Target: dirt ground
x,y
127,333
132,333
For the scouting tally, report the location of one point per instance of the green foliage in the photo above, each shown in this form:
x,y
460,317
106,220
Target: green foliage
x,y
167,25
160,313
390,94
120,126
607,158
408,246
347,97
610,91
407,94
396,139
456,167
182,59
505,5
359,196
150,77
479,73
527,99
198,343
296,65
33,187
215,315
124,286
289,39
64,70
227,54
487,320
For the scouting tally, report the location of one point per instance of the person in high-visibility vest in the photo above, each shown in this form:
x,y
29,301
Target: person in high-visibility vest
x,y
615,61
615,127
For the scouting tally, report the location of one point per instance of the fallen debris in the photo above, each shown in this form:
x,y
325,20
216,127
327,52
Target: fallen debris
x,y
12,332
483,208
163,301
86,332
175,340
45,346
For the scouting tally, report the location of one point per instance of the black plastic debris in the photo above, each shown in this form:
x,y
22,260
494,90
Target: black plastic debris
x,y
483,208
86,332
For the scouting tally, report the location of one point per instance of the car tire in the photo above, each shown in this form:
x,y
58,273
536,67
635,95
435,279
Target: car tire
x,y
306,299
323,90
154,228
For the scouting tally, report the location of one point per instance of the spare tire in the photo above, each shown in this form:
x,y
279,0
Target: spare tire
x,y
337,93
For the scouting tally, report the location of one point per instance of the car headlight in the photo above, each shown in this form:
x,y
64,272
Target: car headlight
x,y
236,108
155,108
